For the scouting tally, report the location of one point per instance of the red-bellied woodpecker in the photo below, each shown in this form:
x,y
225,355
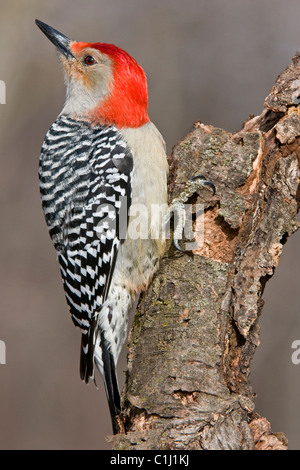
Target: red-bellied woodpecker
x,y
100,159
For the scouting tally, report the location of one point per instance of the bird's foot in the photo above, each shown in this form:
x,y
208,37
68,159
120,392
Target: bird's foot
x,y
178,208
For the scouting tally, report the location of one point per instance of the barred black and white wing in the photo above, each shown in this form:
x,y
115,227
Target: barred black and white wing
x,y
85,183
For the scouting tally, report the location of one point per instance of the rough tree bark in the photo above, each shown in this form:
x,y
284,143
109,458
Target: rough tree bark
x,y
196,328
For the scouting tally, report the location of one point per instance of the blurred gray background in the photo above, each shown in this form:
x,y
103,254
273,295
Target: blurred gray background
x,y
213,61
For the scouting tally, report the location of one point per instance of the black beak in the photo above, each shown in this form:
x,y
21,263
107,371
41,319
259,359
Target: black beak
x,y
58,39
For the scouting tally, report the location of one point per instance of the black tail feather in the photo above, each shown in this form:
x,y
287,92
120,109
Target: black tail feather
x,y
110,377
111,383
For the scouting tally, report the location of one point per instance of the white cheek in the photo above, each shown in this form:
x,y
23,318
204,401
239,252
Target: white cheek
x,y
81,99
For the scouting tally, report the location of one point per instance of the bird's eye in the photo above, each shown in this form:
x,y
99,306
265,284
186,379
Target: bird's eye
x,y
89,60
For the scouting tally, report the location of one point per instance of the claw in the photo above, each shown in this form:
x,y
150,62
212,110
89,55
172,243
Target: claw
x,y
176,244
205,182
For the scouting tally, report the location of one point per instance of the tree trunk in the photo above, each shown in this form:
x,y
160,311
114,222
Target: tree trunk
x,y
196,328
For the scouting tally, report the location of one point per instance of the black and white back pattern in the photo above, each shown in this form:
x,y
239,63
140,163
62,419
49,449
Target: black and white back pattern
x,y
85,184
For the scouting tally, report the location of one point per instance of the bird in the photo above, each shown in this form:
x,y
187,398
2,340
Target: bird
x,y
103,160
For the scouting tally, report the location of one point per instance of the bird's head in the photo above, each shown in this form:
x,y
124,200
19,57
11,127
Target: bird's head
x,y
104,83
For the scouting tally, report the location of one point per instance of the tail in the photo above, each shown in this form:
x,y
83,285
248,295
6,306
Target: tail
x,y
96,351
106,366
